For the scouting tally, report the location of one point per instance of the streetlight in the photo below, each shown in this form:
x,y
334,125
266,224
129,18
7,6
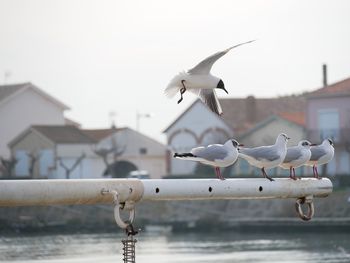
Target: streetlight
x,y
139,116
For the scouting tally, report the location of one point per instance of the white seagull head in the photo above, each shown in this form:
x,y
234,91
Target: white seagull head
x,y
306,144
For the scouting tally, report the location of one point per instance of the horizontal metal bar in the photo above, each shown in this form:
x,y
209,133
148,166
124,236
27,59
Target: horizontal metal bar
x,y
89,191
67,191
250,188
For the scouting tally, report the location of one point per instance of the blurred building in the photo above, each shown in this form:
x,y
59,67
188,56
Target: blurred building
x,y
328,116
23,105
55,151
66,151
131,149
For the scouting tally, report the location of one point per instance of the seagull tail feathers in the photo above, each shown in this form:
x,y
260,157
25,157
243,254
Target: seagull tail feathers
x,y
174,85
186,156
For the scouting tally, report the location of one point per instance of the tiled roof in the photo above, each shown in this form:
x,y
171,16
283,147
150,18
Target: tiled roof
x,y
336,89
8,90
296,117
99,134
243,113
63,134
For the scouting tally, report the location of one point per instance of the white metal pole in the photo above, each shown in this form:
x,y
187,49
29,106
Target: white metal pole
x,y
67,191
91,191
190,189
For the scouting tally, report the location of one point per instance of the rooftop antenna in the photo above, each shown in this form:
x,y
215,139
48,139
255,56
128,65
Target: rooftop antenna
x,y
112,115
7,75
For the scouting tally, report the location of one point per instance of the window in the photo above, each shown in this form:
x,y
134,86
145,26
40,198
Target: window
x,y
143,150
22,165
46,162
328,124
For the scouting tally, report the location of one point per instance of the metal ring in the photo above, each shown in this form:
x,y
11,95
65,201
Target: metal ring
x,y
120,221
311,209
120,206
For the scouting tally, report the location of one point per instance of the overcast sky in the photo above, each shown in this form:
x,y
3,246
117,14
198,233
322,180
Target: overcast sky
x,y
100,56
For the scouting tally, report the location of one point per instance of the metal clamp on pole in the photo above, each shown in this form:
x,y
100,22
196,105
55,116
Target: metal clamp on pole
x,y
311,210
130,206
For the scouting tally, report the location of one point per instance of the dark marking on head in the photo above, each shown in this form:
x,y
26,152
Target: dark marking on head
x,y
330,142
221,85
305,143
235,143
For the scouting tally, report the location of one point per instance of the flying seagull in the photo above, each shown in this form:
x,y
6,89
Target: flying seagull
x,y
266,156
199,81
216,155
321,154
296,156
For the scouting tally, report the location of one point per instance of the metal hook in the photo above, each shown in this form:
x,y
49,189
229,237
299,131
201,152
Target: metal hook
x,y
120,206
311,210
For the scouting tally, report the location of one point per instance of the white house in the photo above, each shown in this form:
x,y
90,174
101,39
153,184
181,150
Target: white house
x,y
133,148
23,105
56,149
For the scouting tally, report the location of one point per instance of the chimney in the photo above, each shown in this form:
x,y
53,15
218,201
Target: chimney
x,y
250,108
324,71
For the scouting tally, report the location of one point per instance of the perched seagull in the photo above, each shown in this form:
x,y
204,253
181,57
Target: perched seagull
x,y
199,81
296,156
216,155
266,156
321,154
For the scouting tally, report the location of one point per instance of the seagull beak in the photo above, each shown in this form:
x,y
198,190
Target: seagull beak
x,y
240,145
313,144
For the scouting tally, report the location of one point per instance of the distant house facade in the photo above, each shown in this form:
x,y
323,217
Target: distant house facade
x,y
56,149
66,151
328,116
23,105
133,148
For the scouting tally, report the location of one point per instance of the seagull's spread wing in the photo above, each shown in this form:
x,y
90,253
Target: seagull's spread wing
x,y
292,154
211,153
210,98
261,153
204,66
317,153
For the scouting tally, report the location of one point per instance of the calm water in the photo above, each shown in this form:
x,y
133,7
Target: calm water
x,y
181,247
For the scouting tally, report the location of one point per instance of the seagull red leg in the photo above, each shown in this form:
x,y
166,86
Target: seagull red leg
x,y
218,173
294,177
317,176
290,173
265,175
182,91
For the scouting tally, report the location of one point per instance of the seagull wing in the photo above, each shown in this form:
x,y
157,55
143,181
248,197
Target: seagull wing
x,y
210,98
211,153
292,155
261,153
317,153
204,66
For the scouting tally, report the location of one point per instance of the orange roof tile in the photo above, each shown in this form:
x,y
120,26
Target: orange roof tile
x,y
338,88
296,117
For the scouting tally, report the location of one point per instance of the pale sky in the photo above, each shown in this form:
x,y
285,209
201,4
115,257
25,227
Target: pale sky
x,y
99,56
